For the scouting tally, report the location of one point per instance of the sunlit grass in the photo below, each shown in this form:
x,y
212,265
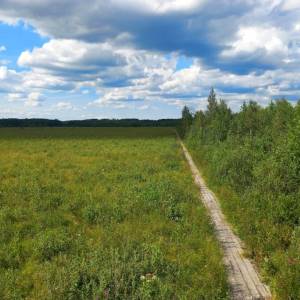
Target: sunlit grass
x,y
102,213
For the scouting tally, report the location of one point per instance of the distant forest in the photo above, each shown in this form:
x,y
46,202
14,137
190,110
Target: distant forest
x,y
89,123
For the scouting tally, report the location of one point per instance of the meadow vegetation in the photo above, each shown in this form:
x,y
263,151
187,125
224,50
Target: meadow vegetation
x,y
251,159
102,214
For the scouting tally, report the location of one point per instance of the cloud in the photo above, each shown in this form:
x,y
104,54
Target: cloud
x,y
159,6
71,65
290,5
70,55
191,86
2,48
144,107
193,27
268,41
125,75
34,99
125,52
10,80
64,106
3,73
13,97
240,36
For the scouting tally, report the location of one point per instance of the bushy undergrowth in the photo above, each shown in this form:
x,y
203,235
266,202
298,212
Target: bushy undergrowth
x,y
85,217
254,166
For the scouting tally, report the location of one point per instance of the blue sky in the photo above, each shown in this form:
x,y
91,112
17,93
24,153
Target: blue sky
x,y
144,58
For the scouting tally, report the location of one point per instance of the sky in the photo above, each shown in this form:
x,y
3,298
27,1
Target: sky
x,y
75,59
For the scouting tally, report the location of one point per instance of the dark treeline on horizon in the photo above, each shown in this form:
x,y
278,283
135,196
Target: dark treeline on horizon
x,y
14,122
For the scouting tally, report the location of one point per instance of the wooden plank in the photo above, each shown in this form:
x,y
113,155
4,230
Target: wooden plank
x,y
243,279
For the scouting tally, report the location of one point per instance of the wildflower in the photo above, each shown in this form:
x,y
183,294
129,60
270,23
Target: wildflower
x,y
142,277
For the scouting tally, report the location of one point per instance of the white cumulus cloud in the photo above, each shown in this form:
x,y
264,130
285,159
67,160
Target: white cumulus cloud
x,y
290,5
252,39
34,99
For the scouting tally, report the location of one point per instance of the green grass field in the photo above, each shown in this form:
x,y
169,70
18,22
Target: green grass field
x,y
102,214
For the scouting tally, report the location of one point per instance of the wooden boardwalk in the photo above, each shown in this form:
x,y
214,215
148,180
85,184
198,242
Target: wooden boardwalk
x,y
243,278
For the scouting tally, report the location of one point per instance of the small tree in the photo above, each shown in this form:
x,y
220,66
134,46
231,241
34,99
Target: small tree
x,y
186,120
218,118
212,102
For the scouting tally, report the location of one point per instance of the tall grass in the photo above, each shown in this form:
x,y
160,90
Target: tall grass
x,y
102,214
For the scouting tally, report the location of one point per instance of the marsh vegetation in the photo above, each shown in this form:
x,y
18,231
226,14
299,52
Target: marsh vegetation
x,y
251,159
102,214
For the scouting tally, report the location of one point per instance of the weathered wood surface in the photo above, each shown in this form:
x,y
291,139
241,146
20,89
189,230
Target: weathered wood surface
x,y
243,278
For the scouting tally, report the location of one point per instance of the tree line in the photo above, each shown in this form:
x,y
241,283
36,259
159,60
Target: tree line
x,y
252,160
12,122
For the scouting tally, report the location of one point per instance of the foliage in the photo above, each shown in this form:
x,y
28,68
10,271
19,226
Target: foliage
x,y
186,120
93,213
252,160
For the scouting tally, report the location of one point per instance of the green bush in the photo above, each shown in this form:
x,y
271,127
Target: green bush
x,y
255,171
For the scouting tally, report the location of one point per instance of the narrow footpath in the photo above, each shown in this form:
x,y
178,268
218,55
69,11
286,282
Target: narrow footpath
x,y
243,278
